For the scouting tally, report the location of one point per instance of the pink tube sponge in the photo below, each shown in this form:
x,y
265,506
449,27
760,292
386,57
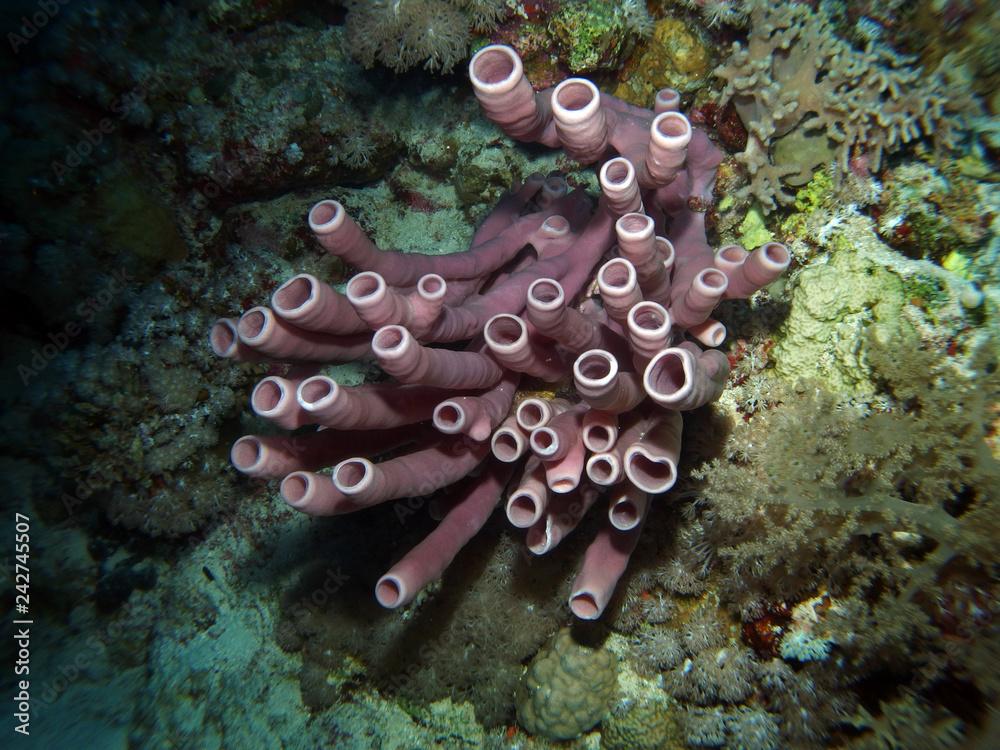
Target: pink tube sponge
x,y
324,401
670,134
313,305
580,120
428,560
264,332
504,93
404,358
759,268
603,564
684,377
651,461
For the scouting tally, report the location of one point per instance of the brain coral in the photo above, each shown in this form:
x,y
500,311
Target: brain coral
x,y
567,689
649,725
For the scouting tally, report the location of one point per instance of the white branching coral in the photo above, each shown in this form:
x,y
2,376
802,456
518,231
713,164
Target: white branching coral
x,y
719,12
402,34
637,17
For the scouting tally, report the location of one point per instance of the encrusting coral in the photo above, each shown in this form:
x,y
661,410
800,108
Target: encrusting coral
x,y
631,366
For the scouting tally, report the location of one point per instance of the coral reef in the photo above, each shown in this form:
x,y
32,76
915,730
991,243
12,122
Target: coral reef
x,y
328,615
166,480
556,38
714,676
963,36
821,575
885,499
742,727
933,213
248,116
650,725
592,35
832,304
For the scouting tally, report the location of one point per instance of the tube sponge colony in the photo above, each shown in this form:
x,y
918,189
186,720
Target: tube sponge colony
x,y
518,306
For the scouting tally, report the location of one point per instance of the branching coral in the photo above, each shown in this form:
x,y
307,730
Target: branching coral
x,y
807,96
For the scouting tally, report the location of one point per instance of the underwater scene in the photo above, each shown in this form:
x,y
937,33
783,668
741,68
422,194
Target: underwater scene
x,y
505,374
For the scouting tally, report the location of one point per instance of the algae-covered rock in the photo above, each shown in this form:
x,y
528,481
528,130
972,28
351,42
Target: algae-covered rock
x,y
753,230
248,14
592,35
675,57
453,724
483,177
135,219
567,689
833,304
930,212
